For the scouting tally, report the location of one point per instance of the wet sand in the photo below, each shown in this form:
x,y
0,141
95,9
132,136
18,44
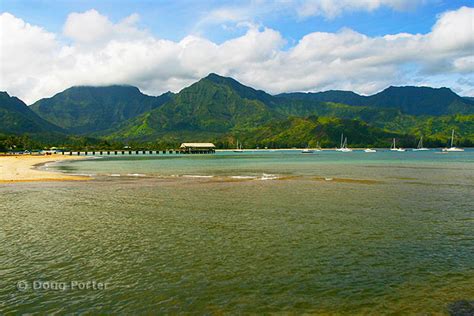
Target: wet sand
x,y
22,168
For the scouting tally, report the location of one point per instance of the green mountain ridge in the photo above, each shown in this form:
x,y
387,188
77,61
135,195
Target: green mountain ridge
x,y
84,109
408,99
209,105
17,118
222,110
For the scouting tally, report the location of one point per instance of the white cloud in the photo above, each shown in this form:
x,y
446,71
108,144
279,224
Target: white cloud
x,y
35,63
464,64
91,27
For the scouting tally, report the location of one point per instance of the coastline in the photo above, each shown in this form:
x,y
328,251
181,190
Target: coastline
x,y
24,168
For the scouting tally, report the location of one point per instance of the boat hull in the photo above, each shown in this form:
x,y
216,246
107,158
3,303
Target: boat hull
x,y
453,149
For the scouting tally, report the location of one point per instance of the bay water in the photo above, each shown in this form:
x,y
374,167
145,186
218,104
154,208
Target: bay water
x,y
252,232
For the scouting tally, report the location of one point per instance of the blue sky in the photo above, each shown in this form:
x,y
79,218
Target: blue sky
x,y
278,46
175,19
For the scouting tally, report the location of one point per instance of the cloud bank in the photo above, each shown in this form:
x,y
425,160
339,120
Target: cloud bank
x,y
92,50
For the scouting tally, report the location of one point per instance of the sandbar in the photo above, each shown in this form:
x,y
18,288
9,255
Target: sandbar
x,y
22,168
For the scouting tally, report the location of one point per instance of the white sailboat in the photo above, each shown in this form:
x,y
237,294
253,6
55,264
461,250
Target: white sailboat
x,y
343,147
452,148
420,146
307,150
370,150
394,147
318,147
342,143
238,148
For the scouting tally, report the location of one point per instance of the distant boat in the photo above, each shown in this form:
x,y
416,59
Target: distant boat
x,y
343,147
370,150
307,150
318,147
394,147
238,149
342,142
310,151
452,148
420,146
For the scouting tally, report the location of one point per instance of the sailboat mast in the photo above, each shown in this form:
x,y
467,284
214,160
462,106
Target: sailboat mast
x,y
342,136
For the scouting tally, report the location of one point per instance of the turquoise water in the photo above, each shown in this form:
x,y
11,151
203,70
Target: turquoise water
x,y
266,232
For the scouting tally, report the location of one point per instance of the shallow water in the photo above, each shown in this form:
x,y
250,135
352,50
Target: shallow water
x,y
342,233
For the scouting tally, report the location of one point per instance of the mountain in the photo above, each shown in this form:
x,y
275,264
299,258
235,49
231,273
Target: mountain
x,y
17,118
214,104
221,109
309,131
336,96
422,100
241,90
217,104
409,100
84,109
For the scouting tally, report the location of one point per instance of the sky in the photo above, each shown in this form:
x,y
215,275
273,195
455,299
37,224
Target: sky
x,y
47,46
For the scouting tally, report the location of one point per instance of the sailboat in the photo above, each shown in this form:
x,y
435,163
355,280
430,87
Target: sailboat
x,y
318,147
420,146
452,148
307,151
238,149
394,147
342,143
343,147
370,150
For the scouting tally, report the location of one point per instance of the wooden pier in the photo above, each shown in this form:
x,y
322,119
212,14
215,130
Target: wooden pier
x,y
120,152
185,148
135,152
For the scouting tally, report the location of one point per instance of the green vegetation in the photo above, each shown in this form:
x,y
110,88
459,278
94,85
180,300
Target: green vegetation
x,y
409,100
221,110
17,118
83,110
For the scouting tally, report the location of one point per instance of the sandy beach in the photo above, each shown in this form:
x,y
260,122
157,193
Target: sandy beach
x,y
21,168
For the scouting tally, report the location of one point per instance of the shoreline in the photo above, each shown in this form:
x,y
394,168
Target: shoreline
x,y
26,168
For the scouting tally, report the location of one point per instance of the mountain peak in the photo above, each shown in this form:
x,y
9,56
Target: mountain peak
x,y
4,94
419,100
18,118
241,89
417,89
213,77
83,109
108,88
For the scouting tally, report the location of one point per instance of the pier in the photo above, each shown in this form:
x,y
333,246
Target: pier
x,y
120,152
186,148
